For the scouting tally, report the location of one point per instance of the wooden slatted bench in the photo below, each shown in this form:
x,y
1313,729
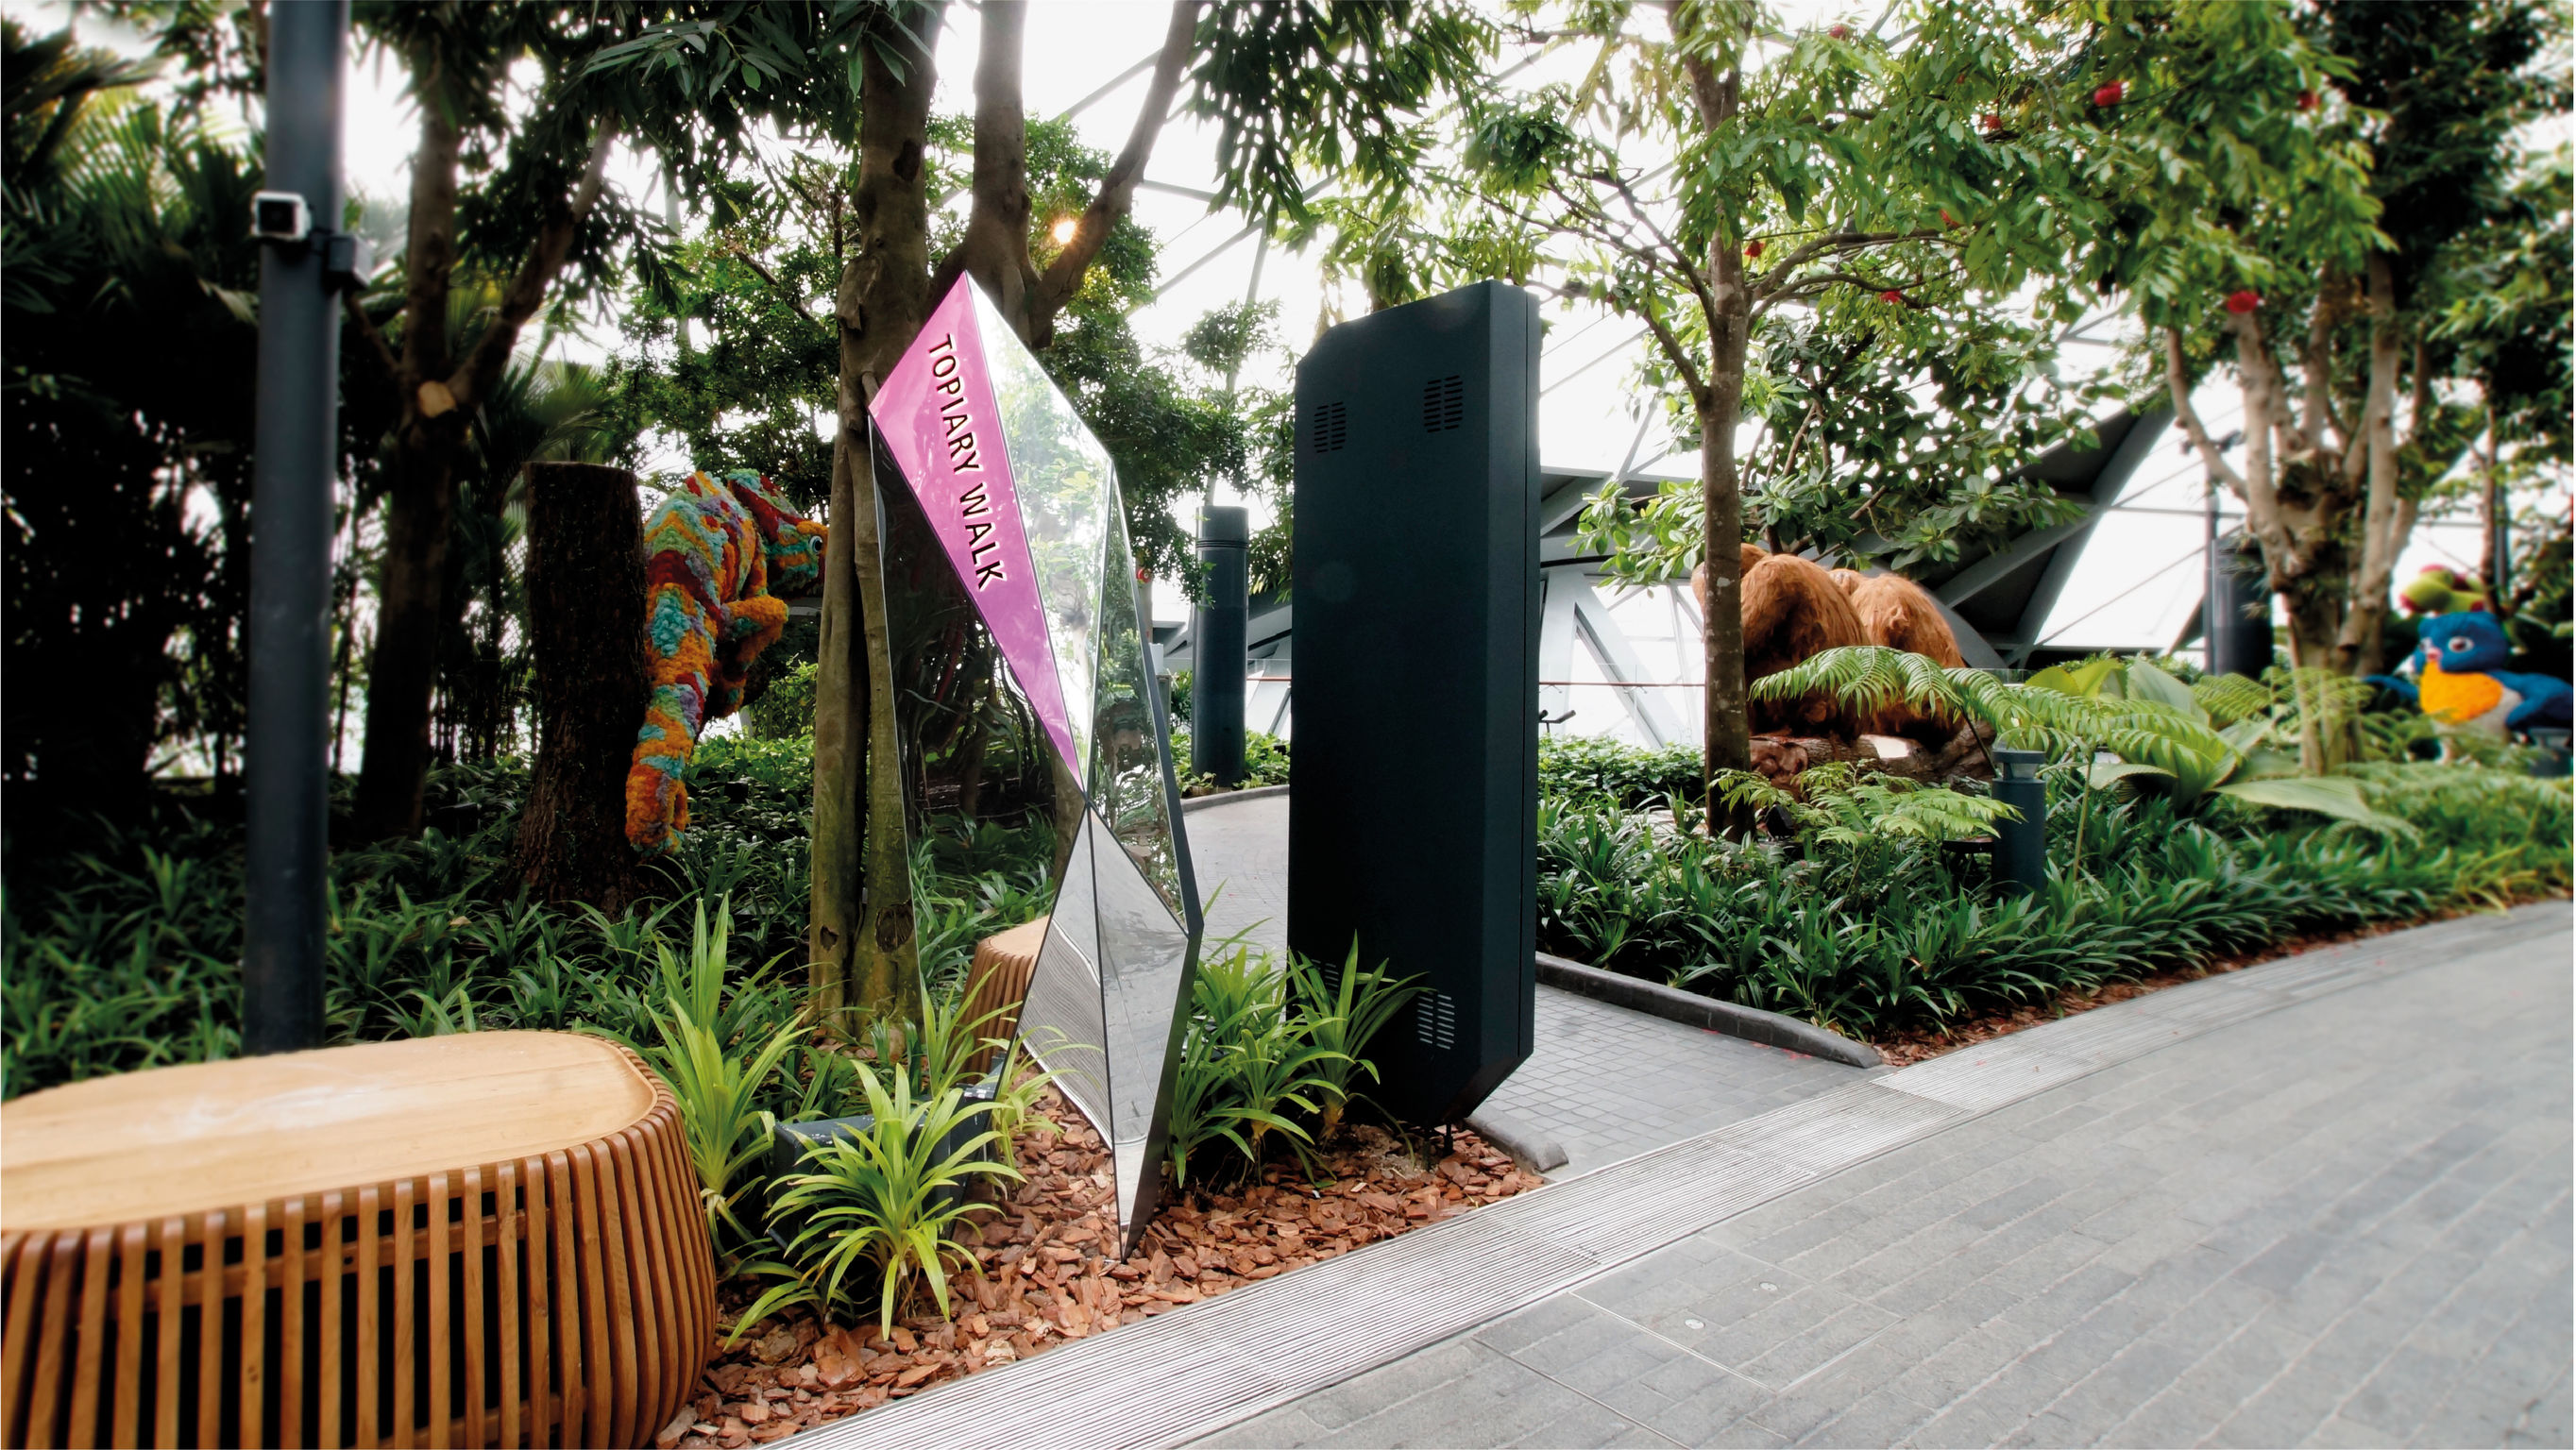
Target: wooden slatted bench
x,y
998,980
487,1239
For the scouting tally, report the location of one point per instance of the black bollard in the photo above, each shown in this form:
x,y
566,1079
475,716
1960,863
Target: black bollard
x,y
2021,847
1216,646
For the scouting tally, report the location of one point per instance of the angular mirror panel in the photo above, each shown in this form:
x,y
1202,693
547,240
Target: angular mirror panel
x,y
989,812
1129,785
1051,874
1067,494
938,419
1146,959
1062,1024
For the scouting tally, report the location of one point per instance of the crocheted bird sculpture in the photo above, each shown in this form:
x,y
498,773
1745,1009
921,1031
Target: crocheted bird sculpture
x,y
722,555
2460,684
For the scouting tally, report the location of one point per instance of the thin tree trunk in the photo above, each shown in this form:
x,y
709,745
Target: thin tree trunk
x,y
439,394
2357,641
860,941
403,666
1722,501
586,582
402,671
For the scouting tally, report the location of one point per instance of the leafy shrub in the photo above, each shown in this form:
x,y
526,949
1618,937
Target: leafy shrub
x,y
1598,767
1271,1050
1866,924
887,1201
717,1085
1265,762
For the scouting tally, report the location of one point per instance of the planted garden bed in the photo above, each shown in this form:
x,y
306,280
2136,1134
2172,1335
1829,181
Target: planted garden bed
x,y
1042,1275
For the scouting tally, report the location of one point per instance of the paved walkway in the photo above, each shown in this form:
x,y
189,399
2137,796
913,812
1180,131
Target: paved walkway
x,y
2336,1215
1671,1082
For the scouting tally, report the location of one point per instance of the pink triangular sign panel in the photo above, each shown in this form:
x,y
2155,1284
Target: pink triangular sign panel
x,y
937,415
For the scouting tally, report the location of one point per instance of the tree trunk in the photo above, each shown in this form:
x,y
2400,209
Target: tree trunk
x,y
1722,500
403,666
2357,643
403,669
586,630
860,946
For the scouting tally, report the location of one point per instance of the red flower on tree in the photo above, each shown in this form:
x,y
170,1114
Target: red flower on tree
x,y
1991,121
1840,32
2243,300
2307,101
2111,93
1891,295
1753,249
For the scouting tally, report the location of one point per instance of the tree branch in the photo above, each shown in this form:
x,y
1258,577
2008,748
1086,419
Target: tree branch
x,y
1676,354
1118,190
527,291
744,256
376,344
2178,383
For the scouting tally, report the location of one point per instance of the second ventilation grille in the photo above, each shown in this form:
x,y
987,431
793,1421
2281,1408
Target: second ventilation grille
x,y
1444,403
1330,428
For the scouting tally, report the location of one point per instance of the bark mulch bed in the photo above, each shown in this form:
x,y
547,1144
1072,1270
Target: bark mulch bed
x,y
1042,1273
1906,1048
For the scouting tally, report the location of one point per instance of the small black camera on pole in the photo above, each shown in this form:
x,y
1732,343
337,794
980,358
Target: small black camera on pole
x,y
303,265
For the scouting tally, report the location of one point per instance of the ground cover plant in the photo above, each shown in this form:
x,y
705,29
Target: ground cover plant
x,y
1038,1270
1872,915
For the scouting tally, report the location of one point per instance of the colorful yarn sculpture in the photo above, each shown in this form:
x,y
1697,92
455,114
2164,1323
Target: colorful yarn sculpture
x,y
2461,685
722,556
2441,590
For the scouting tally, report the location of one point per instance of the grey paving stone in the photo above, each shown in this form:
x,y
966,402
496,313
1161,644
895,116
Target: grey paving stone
x,y
1286,1426
1671,1081
2346,1222
1881,1417
1588,1426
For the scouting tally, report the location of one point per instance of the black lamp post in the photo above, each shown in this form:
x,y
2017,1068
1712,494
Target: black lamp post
x,y
2021,847
1216,643
287,751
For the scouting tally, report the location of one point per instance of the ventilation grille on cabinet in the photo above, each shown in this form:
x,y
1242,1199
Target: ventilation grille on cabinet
x,y
1330,429
1444,404
1435,1020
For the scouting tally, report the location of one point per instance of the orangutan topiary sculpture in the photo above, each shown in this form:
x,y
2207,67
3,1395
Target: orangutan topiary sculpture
x,y
722,557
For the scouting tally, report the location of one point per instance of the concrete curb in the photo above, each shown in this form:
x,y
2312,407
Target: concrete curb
x,y
1692,1010
1201,802
1537,1154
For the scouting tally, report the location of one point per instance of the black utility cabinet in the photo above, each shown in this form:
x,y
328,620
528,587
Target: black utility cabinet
x,y
1413,822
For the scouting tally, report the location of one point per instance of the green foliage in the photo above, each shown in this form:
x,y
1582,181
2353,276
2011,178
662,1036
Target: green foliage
x,y
718,1085
2132,708
785,710
1344,1011
1864,923
1265,762
1573,766
127,955
885,1204
1272,1051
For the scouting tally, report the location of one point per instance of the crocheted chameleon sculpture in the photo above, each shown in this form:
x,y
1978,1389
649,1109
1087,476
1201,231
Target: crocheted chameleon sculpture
x,y
2460,684
722,556
2441,590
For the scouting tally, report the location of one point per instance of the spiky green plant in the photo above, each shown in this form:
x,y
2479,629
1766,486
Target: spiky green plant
x,y
1342,1012
887,1200
717,1083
